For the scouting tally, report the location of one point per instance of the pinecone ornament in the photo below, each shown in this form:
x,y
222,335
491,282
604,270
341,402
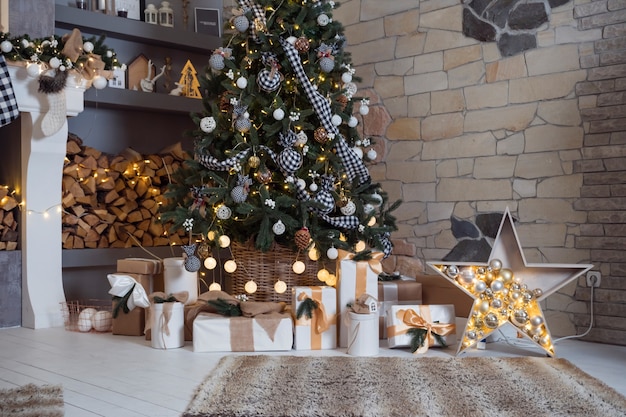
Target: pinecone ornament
x,y
302,44
342,102
320,135
192,262
302,238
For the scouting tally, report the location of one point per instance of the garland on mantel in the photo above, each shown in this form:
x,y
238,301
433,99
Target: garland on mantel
x,y
53,57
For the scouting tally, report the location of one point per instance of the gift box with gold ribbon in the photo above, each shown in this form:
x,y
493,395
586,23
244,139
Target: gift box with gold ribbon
x,y
434,325
396,292
265,332
354,279
150,270
315,315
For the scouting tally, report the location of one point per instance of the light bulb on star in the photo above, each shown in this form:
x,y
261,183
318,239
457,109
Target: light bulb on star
x,y
507,290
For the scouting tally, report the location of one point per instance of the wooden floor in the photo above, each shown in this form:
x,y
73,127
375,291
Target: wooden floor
x,y
123,376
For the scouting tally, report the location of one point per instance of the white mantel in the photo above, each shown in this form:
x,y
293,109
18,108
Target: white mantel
x,y
42,169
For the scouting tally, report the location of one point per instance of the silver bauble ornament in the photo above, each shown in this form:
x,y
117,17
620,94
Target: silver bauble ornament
x,y
372,154
239,194
241,23
278,228
353,121
346,77
349,209
323,20
327,64
208,124
224,212
6,46
216,62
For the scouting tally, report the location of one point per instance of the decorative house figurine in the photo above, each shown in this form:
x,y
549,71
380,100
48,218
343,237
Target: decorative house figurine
x,y
151,14
166,15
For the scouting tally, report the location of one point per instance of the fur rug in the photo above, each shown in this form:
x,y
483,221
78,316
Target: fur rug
x,y
32,401
389,386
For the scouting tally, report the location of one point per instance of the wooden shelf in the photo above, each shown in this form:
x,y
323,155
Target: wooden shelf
x,y
122,99
133,30
85,258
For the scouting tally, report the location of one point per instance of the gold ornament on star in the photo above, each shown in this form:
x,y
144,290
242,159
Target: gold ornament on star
x,y
508,290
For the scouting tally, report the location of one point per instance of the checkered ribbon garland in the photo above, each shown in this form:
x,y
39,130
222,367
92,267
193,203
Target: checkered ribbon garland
x,y
211,162
259,17
341,222
353,165
8,105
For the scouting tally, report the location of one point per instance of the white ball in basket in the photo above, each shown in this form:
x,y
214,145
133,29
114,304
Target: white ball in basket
x,y
102,321
84,319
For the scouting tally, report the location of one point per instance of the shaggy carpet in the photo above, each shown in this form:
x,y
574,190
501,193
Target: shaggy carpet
x,y
388,386
32,401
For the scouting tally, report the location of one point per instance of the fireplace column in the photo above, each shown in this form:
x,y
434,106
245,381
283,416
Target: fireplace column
x,y
42,170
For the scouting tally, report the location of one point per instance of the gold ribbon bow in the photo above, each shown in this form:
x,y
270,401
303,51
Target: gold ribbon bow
x,y
374,263
412,319
319,322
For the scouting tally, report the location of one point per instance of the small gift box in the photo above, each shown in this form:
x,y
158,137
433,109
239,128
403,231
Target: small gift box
x,y
315,309
266,332
396,292
354,279
433,325
151,269
129,301
362,324
166,320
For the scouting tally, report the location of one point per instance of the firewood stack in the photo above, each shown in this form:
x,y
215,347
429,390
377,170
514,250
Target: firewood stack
x,y
113,201
9,216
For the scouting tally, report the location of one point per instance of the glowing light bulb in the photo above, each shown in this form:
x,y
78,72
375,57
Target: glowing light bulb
x,y
224,241
298,267
215,287
250,287
230,266
314,254
323,275
280,287
360,246
332,280
211,235
372,221
210,263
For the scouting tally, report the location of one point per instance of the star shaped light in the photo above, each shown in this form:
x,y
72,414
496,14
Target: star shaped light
x,y
507,289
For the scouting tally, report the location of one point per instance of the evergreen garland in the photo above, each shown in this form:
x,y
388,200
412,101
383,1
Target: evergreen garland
x,y
306,308
418,338
225,308
122,302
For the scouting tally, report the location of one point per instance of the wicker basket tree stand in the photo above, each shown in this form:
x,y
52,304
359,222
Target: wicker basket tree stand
x,y
266,268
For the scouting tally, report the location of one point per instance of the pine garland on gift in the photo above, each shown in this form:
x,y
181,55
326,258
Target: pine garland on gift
x,y
418,338
279,110
306,308
225,308
122,302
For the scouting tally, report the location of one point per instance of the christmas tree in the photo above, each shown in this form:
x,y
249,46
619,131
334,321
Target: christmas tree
x,y
278,154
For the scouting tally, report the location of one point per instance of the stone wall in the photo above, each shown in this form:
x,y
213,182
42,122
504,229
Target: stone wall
x,y
464,130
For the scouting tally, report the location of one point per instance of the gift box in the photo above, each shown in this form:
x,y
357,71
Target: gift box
x,y
129,301
165,320
354,279
151,268
266,332
438,318
320,330
396,292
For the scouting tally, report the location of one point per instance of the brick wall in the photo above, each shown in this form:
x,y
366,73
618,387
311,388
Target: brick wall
x,y
463,130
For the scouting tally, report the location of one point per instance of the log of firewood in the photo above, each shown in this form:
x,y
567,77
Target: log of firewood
x,y
78,210
104,242
87,162
141,188
88,200
110,197
131,155
88,185
68,200
8,219
93,152
8,203
72,148
134,216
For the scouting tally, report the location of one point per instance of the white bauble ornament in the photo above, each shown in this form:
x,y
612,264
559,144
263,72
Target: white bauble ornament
x,y
372,154
242,82
99,82
349,209
224,212
313,187
84,319
364,109
301,183
336,119
353,122
101,321
32,70
368,208
6,46
278,228
358,151
292,39
332,253
208,124
54,62
88,47
351,89
323,19
346,77
378,199
279,114
301,138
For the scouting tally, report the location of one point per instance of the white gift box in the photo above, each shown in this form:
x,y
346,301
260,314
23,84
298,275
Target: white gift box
x,y
267,332
440,316
362,334
404,291
319,331
354,279
168,325
176,279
